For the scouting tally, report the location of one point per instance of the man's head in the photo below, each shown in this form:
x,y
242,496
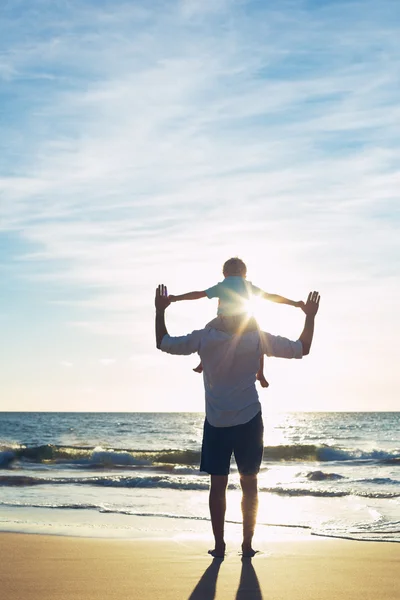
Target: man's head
x,y
234,267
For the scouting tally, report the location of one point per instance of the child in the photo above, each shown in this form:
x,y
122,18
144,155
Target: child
x,y
233,293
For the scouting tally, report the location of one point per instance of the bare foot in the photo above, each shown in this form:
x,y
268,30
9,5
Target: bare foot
x,y
263,382
218,551
248,552
198,369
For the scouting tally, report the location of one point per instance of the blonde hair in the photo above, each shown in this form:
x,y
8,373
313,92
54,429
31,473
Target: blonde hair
x,y
234,267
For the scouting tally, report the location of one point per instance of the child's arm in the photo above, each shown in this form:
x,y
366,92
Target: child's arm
x,y
281,300
188,296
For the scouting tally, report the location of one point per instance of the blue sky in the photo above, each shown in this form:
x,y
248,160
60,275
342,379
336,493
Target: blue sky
x,y
146,142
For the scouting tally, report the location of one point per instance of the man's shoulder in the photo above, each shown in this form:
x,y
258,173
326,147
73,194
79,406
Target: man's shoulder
x,y
182,344
193,334
279,346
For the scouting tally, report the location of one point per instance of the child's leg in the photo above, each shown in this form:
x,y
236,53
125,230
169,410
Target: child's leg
x,y
199,368
260,375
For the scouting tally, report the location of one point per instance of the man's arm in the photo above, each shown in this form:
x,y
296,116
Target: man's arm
x,y
281,347
162,301
182,345
310,308
188,296
282,300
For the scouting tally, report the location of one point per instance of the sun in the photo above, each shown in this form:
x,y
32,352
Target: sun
x,y
253,306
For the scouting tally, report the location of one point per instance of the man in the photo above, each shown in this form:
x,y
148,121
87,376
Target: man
x,y
233,420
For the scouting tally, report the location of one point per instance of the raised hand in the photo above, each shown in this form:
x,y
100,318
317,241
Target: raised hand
x,y
312,305
161,300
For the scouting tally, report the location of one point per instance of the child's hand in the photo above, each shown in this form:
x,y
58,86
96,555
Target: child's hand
x,y
171,298
300,304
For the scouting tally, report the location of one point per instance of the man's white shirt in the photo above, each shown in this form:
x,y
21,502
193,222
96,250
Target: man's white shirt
x,y
230,364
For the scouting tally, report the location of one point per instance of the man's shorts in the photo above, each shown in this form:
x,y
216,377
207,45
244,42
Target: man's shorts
x,y
245,441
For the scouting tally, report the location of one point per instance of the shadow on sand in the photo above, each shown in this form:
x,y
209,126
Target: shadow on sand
x,y
206,588
249,587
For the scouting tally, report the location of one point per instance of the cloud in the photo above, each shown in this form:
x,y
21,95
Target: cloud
x,y
151,142
106,362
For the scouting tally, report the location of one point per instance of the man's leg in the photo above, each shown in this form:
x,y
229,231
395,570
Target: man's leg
x,y
217,503
248,450
249,511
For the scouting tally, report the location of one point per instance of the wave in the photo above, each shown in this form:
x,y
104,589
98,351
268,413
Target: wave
x,y
97,456
153,481
120,458
379,481
134,513
48,505
7,457
329,493
372,536
321,476
184,483
387,532
131,512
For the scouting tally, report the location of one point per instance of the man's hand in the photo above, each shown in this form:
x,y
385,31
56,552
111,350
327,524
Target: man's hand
x,y
312,304
310,308
161,300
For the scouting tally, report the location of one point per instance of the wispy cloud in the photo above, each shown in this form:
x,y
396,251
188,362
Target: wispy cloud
x,y
106,362
66,363
154,141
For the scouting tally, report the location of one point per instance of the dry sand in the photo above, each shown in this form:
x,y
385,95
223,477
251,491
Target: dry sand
x,y
41,567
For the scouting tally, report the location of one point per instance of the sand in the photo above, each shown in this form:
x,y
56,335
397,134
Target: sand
x,y
43,567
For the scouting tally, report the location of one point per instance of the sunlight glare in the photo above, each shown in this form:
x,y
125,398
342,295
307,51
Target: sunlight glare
x,y
253,306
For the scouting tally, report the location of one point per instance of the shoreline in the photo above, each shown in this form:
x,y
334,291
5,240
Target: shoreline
x,y
99,525
37,566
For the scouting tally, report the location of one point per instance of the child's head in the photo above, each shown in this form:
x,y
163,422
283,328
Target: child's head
x,y
234,267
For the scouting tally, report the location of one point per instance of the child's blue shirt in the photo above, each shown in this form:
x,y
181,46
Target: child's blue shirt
x,y
233,294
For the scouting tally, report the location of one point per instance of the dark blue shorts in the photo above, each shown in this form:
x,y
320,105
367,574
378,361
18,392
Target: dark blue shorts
x,y
245,441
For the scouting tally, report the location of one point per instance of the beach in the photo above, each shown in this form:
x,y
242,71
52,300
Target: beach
x,y
113,506
41,567
96,474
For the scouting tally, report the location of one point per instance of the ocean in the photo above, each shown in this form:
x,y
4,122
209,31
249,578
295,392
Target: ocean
x,y
108,474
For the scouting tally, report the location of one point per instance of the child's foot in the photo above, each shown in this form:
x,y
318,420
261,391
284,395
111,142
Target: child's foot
x,y
199,368
263,382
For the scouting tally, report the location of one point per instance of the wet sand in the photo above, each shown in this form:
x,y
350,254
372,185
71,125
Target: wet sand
x,y
43,567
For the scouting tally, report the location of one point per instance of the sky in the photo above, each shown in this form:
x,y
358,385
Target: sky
x,y
147,142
